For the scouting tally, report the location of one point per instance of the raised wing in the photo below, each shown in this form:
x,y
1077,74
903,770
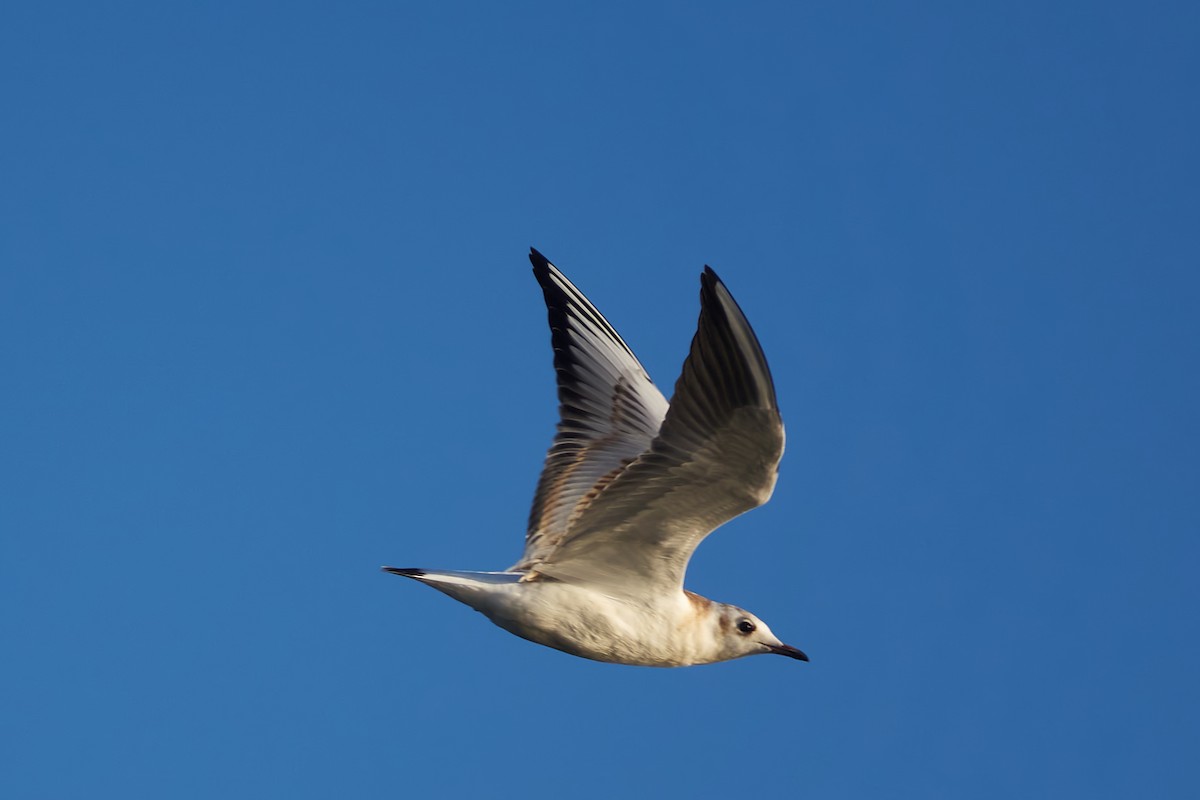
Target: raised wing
x,y
609,412
716,456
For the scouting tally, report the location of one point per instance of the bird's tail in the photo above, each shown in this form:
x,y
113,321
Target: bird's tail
x,y
456,583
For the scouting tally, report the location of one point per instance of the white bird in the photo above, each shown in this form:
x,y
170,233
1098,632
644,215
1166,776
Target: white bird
x,y
630,487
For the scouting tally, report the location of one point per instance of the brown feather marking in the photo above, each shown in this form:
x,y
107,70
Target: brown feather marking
x,y
551,500
700,605
596,489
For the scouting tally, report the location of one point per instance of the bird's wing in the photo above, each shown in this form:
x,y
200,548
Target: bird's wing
x,y
715,456
609,412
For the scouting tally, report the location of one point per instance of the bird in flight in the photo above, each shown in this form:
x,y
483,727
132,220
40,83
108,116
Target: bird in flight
x,y
631,485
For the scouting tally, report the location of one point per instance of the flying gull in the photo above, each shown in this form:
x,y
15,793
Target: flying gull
x,y
631,485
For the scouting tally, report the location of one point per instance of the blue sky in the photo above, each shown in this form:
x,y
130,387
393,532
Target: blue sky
x,y
266,323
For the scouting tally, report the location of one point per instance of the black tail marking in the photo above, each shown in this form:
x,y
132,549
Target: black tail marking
x,y
407,572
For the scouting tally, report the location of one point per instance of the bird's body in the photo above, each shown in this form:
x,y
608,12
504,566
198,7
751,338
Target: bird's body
x,y
668,630
631,485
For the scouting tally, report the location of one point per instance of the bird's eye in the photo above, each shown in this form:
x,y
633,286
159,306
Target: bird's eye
x,y
745,626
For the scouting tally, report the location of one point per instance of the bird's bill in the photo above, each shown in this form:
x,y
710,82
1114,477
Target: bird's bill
x,y
787,650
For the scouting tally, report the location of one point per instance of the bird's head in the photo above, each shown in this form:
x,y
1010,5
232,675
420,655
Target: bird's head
x,y
740,633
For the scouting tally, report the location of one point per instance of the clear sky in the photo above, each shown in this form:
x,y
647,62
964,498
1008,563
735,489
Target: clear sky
x,y
267,323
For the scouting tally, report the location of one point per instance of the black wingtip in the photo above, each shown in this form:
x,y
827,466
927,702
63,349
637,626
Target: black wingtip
x,y
734,344
541,266
538,260
407,572
709,280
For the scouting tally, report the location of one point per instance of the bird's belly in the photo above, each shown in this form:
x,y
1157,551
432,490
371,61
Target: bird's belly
x,y
591,625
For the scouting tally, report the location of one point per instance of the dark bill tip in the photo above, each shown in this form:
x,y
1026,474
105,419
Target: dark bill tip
x,y
787,650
